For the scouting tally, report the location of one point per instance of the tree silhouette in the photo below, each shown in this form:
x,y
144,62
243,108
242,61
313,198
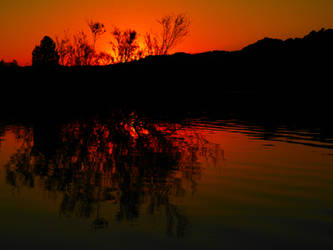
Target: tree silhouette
x,y
78,51
151,45
174,29
125,46
64,48
97,30
8,64
82,51
45,54
102,58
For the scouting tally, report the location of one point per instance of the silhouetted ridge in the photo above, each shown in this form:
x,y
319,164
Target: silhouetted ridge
x,y
316,40
264,45
269,74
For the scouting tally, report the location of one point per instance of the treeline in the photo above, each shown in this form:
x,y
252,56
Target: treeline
x,y
80,48
8,64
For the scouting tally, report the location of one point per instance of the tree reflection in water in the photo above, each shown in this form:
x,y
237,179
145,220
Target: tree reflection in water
x,y
124,160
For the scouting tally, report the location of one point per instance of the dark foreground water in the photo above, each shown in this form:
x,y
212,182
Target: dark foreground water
x,y
127,182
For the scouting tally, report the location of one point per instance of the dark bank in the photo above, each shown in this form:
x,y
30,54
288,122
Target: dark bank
x,y
272,75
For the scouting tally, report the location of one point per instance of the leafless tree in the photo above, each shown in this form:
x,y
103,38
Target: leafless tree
x,y
125,46
174,29
63,48
82,51
151,44
97,30
102,58
79,51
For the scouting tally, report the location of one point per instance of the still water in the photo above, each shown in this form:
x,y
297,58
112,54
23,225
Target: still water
x,y
130,183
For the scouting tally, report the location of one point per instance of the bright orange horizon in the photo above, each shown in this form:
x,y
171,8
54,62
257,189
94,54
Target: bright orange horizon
x,y
215,24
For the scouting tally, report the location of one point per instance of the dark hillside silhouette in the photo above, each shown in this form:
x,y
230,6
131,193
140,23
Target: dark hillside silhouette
x,y
272,75
312,46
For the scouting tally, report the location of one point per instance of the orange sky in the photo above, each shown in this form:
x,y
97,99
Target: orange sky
x,y
216,24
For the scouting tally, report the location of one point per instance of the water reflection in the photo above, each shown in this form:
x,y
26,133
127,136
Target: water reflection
x,y
137,165
128,178
308,136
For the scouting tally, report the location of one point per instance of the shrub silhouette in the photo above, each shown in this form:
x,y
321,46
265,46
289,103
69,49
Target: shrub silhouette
x,y
82,51
64,49
125,46
45,54
77,50
8,64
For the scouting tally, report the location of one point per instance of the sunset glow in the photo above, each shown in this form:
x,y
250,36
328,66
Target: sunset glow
x,y
215,24
166,124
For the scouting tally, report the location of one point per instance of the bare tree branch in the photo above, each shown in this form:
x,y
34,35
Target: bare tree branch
x,y
125,46
174,30
97,30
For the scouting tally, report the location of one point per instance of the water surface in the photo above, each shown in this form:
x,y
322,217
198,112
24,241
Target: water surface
x,y
129,183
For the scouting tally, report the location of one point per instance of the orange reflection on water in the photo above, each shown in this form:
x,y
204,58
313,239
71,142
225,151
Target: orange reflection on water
x,y
126,168
129,162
